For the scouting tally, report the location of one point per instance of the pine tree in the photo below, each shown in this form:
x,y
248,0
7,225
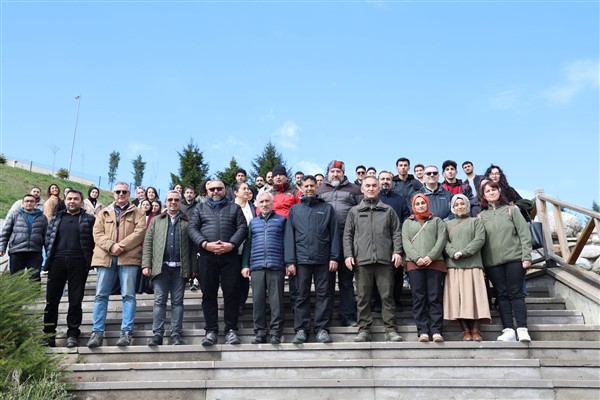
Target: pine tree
x,y
138,171
113,164
192,168
227,176
264,163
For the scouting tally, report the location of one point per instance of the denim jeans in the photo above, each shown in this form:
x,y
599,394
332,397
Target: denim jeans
x,y
106,278
169,280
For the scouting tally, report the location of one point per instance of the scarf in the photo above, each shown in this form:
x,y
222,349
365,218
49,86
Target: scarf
x,y
424,215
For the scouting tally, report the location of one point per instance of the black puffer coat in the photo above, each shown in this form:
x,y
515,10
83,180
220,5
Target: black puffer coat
x,y
227,224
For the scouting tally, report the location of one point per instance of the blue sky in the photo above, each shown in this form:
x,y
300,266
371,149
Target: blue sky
x,y
513,83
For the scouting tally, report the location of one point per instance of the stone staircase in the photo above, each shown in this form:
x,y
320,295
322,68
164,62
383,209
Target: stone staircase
x,y
562,361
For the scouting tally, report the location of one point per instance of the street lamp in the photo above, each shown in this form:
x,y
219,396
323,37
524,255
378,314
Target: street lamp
x,y
78,98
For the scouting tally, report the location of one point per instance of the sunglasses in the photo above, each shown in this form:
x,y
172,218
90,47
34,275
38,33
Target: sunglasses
x,y
121,191
360,172
215,189
176,200
432,173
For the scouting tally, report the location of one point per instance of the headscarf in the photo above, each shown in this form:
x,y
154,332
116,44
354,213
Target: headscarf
x,y
424,215
463,198
93,201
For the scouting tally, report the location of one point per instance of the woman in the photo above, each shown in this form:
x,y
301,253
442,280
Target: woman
x,y
178,188
465,294
156,210
151,194
242,197
92,204
506,254
495,174
146,206
424,238
52,199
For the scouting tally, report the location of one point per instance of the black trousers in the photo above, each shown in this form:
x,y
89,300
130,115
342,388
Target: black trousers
x,y
223,270
27,259
323,297
508,279
427,297
71,270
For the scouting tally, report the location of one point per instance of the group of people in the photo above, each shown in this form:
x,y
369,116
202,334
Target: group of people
x,y
448,237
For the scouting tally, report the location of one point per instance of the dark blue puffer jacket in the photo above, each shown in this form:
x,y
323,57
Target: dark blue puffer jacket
x,y
264,246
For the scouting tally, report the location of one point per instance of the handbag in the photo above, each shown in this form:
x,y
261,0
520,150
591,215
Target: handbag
x,y
537,235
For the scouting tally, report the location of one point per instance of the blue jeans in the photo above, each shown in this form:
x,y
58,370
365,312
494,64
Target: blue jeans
x,y
169,280
106,279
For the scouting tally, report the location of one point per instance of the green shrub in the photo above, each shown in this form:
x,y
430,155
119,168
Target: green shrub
x,y
3,159
23,357
62,173
49,387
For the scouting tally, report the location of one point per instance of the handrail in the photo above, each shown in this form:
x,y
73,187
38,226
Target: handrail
x,y
567,256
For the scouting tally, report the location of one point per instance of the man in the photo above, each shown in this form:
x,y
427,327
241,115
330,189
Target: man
x,y
419,170
189,199
398,204
263,259
118,234
342,195
166,258
439,198
284,195
404,183
373,248
39,202
259,183
320,179
456,186
61,205
473,179
140,195
360,171
371,171
298,176
267,185
218,228
311,251
23,233
240,177
69,244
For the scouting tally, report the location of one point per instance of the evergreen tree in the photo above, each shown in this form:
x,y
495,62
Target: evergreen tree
x,y
138,171
227,176
192,168
264,163
113,164
595,206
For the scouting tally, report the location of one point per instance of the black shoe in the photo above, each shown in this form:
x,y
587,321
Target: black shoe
x,y
301,337
155,340
232,337
259,340
95,340
71,342
50,342
210,339
349,322
275,339
125,340
176,340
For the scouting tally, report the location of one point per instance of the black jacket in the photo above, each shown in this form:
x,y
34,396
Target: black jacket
x,y
311,233
86,238
227,224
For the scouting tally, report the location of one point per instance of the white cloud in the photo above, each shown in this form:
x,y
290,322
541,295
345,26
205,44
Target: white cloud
x,y
504,100
269,116
309,167
579,75
287,135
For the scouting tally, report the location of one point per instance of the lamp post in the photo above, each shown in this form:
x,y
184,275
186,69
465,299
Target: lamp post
x,y
78,98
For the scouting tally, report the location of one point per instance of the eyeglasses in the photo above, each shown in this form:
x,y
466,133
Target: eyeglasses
x,y
431,173
121,191
176,200
215,189
495,174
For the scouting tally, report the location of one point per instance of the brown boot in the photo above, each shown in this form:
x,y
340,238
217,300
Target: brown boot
x,y
464,324
476,336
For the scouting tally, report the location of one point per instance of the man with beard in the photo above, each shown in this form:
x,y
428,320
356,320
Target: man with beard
x,y
342,195
473,179
189,199
218,228
456,186
36,192
69,244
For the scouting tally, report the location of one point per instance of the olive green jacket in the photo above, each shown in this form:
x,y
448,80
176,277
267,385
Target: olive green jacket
x,y
154,245
466,235
507,236
429,242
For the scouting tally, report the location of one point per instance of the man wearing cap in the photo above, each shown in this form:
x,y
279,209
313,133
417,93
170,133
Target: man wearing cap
x,y
284,194
342,194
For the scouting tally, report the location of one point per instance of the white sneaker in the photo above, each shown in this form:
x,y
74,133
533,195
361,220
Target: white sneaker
x,y
508,335
523,335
